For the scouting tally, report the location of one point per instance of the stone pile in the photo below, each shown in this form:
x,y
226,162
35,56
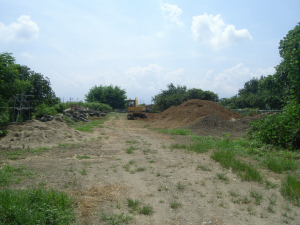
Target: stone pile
x,y
75,114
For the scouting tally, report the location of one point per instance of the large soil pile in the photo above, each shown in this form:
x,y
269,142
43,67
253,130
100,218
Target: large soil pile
x,y
34,134
205,118
190,112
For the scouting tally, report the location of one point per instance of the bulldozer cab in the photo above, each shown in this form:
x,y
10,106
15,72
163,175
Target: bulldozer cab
x,y
131,103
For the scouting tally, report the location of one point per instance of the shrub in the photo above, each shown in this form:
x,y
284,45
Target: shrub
x,y
282,129
43,110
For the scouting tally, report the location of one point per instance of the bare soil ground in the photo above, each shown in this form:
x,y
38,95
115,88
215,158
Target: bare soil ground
x,y
101,174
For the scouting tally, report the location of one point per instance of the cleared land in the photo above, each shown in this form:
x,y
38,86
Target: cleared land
x,y
126,172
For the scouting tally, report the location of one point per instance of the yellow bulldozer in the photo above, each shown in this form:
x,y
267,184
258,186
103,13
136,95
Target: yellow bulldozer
x,y
134,110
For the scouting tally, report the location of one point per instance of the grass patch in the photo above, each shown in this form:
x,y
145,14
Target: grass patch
x,y
223,177
133,204
280,164
83,157
290,188
21,153
180,186
203,168
115,219
146,210
35,206
246,171
174,204
175,131
88,127
132,142
130,149
179,146
10,174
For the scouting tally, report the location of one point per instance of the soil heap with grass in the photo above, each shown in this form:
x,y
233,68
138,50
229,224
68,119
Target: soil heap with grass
x,y
34,134
202,117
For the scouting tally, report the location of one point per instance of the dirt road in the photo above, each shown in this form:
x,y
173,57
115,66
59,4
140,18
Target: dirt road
x,y
127,162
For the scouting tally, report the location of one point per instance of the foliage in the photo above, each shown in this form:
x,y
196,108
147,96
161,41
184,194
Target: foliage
x,y
290,188
287,72
112,96
16,80
43,110
35,206
40,88
282,129
257,93
60,107
174,96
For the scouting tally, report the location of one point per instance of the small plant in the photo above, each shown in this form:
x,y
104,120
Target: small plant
x,y
83,157
115,219
131,142
140,169
203,168
146,210
133,204
83,172
270,185
174,204
222,176
130,150
257,196
180,186
290,189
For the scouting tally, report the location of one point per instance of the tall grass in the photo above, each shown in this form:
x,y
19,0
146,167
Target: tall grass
x,y
35,206
290,188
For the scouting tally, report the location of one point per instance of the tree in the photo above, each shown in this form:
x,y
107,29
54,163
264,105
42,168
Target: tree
x,y
288,71
11,83
112,96
174,96
40,88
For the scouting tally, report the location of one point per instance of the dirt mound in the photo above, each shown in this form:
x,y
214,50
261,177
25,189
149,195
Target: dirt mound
x,y
34,134
190,112
214,125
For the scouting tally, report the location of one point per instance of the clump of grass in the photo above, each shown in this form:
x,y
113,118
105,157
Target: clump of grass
x,y
83,172
201,144
180,186
203,168
133,204
38,204
115,219
175,131
83,157
132,142
10,174
279,164
174,204
223,177
16,154
270,185
140,169
246,171
257,196
290,189
130,150
179,146
146,210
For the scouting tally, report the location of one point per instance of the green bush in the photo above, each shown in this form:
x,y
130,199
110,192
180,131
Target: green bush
x,y
43,110
282,129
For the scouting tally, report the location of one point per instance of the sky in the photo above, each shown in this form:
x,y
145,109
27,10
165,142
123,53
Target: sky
x,y
142,46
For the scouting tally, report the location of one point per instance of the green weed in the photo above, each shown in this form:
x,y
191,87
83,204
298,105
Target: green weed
x,y
279,164
115,219
146,210
174,204
223,177
10,174
180,186
290,188
203,168
37,205
83,157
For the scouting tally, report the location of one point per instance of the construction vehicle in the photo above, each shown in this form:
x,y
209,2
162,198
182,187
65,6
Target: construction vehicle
x,y
134,110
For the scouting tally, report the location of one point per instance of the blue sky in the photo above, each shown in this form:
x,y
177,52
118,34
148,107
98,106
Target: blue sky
x,y
141,46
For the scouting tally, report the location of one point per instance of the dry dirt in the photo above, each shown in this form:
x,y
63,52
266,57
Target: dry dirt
x,y
101,175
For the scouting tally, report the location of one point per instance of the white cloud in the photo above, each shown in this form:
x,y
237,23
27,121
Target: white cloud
x,y
27,55
212,30
22,30
227,82
173,12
